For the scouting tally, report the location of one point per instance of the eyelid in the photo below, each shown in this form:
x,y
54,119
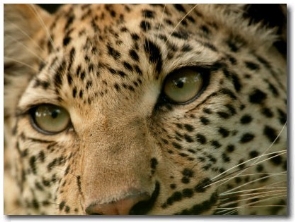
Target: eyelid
x,y
23,109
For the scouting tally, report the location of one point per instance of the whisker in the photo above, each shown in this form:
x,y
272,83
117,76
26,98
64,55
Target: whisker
x,y
253,159
24,33
43,25
282,128
22,63
28,49
253,181
192,9
245,192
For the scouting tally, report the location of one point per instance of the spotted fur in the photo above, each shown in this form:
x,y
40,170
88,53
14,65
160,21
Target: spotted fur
x,y
222,153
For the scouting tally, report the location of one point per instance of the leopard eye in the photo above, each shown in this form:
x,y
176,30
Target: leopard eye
x,y
184,85
50,119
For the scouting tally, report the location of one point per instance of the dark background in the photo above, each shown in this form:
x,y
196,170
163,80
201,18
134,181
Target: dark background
x,y
50,7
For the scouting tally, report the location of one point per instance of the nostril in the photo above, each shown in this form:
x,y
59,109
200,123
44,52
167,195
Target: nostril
x,y
120,207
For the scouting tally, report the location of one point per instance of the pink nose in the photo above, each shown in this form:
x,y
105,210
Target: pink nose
x,y
120,207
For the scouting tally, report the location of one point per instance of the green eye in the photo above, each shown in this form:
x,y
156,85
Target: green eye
x,y
183,85
50,119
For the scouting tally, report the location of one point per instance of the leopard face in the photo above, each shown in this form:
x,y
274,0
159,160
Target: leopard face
x,y
144,109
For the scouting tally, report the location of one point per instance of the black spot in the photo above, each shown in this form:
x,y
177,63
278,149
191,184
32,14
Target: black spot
x,y
62,205
203,185
180,8
225,158
210,46
201,139
67,209
69,21
252,66
247,137
267,112
271,134
78,182
232,45
241,164
246,119
135,37
236,82
273,89
173,186
276,159
80,94
282,116
145,26
181,35
148,14
153,163
176,145
187,172
215,144
224,132
204,120
205,29
188,193
154,54
186,48
59,74
238,180
82,75
70,79
127,66
32,164
259,168
138,71
88,84
253,154
66,40
223,115
202,207
113,52
185,180
35,204
117,87
169,22
188,138
207,110
189,127
228,92
41,156
74,92
257,96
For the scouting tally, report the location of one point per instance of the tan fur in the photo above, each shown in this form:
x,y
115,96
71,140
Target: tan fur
x,y
105,156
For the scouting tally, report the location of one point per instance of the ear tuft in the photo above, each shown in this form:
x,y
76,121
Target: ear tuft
x,y
270,16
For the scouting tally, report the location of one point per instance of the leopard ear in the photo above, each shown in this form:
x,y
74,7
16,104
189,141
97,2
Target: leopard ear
x,y
21,23
271,16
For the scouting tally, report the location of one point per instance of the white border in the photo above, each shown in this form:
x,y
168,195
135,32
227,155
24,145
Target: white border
x,y
294,120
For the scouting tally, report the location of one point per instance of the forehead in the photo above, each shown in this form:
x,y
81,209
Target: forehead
x,y
121,37
91,51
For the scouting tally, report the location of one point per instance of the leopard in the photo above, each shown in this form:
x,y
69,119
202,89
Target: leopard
x,y
135,109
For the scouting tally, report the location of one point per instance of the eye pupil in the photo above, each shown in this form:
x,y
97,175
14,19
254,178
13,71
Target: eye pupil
x,y
54,114
179,83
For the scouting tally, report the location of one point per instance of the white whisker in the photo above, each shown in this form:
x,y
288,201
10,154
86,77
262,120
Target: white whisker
x,y
28,49
43,25
22,63
192,9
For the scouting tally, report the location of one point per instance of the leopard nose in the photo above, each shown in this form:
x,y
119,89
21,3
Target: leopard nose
x,y
120,207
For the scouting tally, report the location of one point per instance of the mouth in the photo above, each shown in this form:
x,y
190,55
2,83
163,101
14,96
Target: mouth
x,y
142,208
